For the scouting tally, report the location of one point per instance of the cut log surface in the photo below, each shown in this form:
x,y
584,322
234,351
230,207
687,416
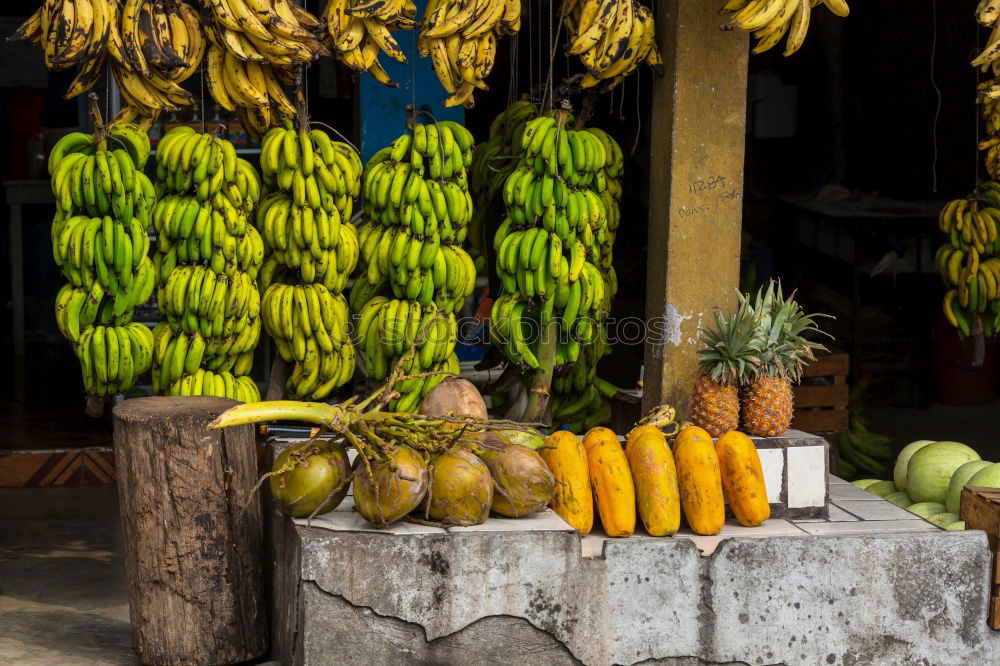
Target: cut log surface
x,y
192,553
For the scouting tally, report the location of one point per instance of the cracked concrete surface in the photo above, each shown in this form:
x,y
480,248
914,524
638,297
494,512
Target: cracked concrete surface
x,y
530,598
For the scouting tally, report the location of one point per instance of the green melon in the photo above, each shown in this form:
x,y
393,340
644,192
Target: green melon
x,y
958,525
943,519
899,498
929,470
987,477
927,509
882,488
959,480
899,472
863,483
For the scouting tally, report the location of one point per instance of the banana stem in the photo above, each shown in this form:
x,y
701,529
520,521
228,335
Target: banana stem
x,y
278,410
541,383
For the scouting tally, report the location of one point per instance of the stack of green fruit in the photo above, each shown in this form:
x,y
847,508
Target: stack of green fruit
x,y
580,399
100,242
554,257
312,249
969,262
492,163
207,260
418,208
549,243
859,449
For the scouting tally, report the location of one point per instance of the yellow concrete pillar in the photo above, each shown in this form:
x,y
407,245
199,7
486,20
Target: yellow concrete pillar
x,y
696,190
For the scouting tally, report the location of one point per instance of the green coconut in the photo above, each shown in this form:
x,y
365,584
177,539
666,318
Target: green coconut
x,y
956,526
927,509
944,519
882,488
392,488
899,498
903,461
310,478
460,490
864,483
959,480
533,440
522,481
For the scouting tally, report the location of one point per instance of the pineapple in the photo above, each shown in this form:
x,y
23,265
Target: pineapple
x,y
767,398
731,352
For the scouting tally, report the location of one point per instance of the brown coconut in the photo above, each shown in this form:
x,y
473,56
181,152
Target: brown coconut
x,y
316,484
454,397
461,489
522,481
401,485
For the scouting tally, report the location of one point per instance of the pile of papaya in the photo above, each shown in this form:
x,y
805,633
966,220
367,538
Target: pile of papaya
x,y
645,478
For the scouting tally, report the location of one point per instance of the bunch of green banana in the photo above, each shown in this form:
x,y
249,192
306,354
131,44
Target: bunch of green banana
x,y
860,450
989,97
612,38
492,162
612,193
100,242
310,326
969,263
770,21
389,328
305,218
580,399
417,201
207,261
113,357
312,249
555,233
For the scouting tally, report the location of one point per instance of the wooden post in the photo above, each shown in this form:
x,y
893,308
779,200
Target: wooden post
x,y
192,555
696,191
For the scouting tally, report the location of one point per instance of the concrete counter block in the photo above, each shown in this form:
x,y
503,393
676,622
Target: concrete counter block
x,y
530,597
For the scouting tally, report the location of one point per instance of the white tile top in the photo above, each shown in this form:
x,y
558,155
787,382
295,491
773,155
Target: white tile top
x,y
846,491
866,510
345,519
870,527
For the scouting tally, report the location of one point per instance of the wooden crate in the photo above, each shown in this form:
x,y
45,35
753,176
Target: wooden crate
x,y
980,509
823,409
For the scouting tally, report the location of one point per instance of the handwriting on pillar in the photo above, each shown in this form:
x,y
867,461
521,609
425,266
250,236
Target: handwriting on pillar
x,y
710,187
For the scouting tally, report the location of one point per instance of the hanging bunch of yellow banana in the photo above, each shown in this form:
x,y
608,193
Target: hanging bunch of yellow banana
x,y
770,21
460,36
359,29
255,46
154,46
612,37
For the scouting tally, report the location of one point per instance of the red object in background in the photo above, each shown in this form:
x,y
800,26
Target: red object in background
x,y
956,380
24,109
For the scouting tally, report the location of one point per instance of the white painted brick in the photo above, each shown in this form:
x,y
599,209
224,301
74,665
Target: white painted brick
x,y
772,461
806,476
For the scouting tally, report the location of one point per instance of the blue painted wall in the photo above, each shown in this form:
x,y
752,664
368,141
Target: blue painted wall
x,y
382,110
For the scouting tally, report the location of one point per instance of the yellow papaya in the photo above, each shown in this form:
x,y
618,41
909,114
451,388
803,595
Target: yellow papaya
x,y
637,432
699,481
611,481
743,478
567,459
655,479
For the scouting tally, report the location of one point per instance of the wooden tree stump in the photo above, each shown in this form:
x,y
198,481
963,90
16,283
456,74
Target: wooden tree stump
x,y
192,555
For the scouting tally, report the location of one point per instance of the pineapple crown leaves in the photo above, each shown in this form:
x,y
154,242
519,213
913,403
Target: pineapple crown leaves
x,y
783,325
732,349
